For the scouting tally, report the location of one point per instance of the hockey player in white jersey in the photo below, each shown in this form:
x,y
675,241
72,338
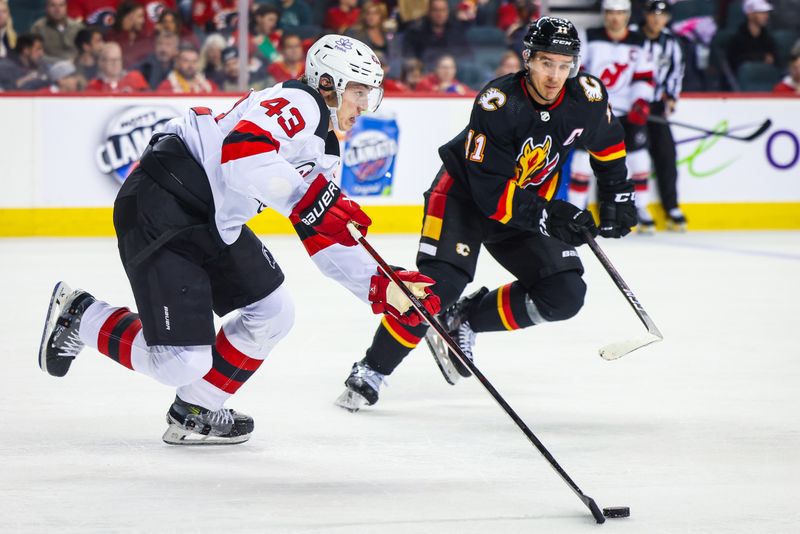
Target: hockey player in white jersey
x,y
180,223
617,56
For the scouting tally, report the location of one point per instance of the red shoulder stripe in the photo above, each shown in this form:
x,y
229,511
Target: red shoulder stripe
x,y
247,139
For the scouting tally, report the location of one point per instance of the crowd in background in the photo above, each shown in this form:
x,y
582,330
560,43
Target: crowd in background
x,y
440,46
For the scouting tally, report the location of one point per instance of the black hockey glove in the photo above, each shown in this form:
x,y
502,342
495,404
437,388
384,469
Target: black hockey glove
x,y
617,211
564,221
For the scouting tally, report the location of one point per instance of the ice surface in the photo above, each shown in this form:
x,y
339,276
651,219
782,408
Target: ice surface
x,y
699,433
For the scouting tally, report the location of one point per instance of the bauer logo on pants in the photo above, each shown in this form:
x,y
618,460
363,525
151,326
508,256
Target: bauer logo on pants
x,y
127,135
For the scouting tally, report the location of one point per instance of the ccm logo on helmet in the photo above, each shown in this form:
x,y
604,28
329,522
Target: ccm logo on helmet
x,y
324,201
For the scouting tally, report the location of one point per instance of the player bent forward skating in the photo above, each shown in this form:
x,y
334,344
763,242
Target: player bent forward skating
x,y
180,224
496,189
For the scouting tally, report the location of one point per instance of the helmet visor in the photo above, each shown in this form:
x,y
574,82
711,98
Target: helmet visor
x,y
366,98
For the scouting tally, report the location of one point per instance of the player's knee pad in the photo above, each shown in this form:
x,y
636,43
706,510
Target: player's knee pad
x,y
259,326
450,280
557,297
178,366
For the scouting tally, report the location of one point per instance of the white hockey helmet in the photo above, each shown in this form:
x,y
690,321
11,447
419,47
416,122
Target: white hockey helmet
x,y
345,60
616,5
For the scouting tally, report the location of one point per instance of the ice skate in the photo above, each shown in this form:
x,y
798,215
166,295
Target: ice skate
x,y
363,387
646,226
676,221
61,342
455,323
192,425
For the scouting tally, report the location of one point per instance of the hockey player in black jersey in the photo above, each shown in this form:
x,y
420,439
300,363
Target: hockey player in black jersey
x,y
496,188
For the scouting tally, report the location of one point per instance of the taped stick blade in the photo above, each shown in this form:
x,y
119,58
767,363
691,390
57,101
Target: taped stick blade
x,y
612,351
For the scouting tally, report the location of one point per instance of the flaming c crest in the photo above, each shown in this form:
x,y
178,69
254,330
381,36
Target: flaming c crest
x,y
533,165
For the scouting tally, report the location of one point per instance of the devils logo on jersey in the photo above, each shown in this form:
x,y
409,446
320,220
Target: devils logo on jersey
x,y
533,163
611,74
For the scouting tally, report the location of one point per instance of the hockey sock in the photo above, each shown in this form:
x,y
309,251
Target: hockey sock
x,y
641,187
392,342
578,193
501,309
111,331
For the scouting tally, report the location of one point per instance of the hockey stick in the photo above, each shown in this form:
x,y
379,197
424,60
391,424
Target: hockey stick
x,y
434,323
757,133
616,350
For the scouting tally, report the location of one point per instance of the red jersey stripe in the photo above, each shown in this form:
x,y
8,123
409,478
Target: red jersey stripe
x,y
610,150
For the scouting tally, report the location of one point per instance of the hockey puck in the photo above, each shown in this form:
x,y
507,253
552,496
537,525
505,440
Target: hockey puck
x,y
617,511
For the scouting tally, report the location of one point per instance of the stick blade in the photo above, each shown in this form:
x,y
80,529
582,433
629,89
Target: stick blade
x,y
612,351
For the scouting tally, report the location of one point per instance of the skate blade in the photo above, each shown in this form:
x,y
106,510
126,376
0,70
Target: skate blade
x,y
351,401
60,292
175,435
678,228
646,229
439,351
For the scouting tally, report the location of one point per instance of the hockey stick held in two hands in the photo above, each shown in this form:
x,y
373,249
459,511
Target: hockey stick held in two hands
x,y
442,333
616,350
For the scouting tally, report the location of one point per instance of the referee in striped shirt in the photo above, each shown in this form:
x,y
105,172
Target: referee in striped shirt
x,y
665,49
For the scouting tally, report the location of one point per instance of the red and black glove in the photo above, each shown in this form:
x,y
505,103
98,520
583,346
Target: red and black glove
x,y
386,297
327,210
639,112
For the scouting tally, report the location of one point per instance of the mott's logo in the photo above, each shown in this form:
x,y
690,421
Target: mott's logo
x,y
533,165
127,135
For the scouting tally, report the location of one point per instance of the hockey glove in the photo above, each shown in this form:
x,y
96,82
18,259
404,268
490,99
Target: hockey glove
x,y
327,210
617,211
386,297
639,112
564,221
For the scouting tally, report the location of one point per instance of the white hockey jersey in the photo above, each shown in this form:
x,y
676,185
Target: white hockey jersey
x,y
265,152
624,67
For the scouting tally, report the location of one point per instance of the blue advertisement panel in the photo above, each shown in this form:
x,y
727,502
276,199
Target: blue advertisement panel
x,y
368,158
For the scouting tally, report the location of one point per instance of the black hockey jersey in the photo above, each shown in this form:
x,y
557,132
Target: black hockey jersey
x,y
510,155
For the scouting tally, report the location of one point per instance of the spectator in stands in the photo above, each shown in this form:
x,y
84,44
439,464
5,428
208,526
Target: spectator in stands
x,y
509,64
23,70
294,13
186,76
527,11
443,78
342,16
129,33
169,21
88,43
230,68
57,31
153,9
292,66
100,13
64,78
266,34
436,34
8,37
112,77
790,85
157,66
752,41
412,72
215,15
211,56
370,28
390,85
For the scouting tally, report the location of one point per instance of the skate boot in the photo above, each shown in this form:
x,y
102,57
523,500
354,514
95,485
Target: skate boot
x,y
60,340
647,225
190,424
454,320
363,386
676,221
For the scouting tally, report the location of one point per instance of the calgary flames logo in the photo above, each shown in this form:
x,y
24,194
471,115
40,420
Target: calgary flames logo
x,y
533,165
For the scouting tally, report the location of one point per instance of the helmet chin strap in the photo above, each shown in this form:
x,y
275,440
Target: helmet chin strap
x,y
334,118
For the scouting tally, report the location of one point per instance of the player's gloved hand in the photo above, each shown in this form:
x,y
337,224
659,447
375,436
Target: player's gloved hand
x,y
639,112
617,210
386,297
327,210
564,221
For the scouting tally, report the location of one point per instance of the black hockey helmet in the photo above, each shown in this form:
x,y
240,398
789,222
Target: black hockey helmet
x,y
556,35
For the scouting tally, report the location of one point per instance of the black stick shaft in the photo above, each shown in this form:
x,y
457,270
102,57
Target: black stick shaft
x,y
436,325
757,133
621,285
